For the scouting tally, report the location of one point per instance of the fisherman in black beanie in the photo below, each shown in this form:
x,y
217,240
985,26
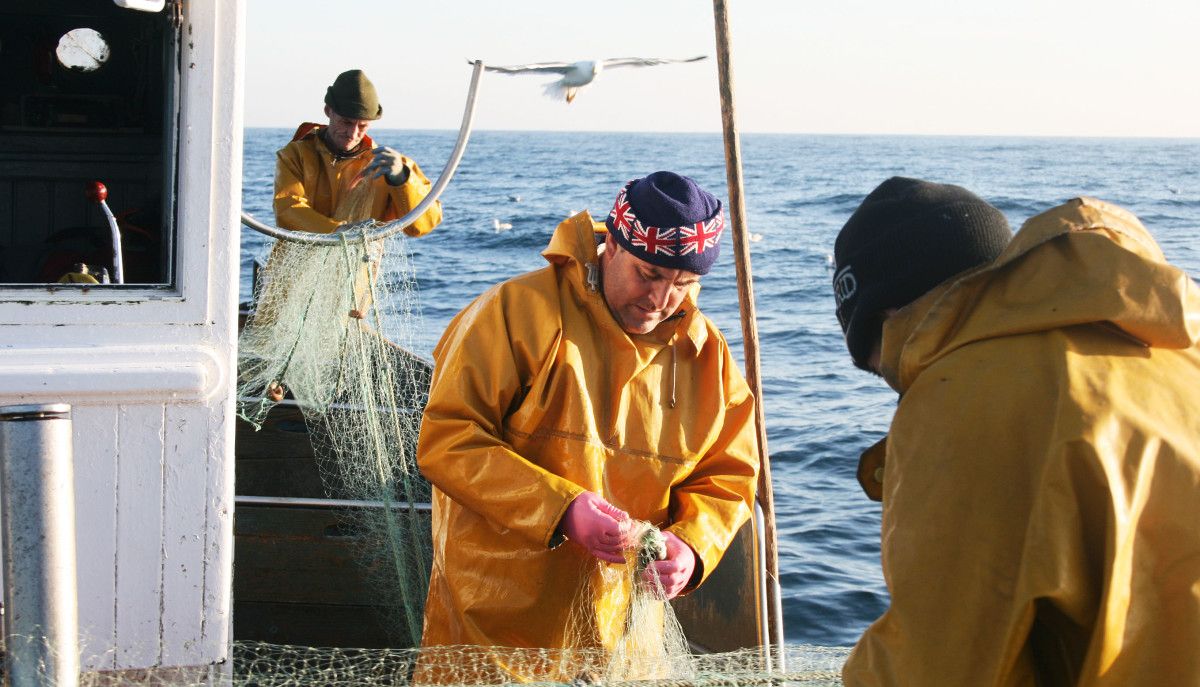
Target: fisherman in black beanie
x,y
1039,476
905,238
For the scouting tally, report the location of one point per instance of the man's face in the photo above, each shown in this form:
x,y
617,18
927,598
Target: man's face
x,y
344,133
641,295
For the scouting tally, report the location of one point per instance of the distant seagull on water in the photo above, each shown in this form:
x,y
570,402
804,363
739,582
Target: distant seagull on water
x,y
576,75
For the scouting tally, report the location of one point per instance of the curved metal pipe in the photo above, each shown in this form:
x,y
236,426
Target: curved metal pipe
x,y
395,226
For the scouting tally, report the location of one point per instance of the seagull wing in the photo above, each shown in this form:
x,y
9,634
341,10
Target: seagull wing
x,y
537,67
647,61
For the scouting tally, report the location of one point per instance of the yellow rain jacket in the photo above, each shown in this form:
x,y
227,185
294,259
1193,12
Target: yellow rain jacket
x,y
1041,485
538,395
310,182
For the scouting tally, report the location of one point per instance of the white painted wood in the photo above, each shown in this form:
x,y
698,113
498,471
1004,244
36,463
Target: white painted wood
x,y
142,5
224,24
95,440
139,535
185,530
112,374
218,582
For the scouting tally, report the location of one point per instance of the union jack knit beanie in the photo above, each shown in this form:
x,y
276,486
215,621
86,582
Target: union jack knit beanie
x,y
907,237
669,221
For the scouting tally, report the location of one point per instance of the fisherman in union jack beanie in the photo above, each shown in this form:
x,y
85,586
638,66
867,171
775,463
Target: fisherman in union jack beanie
x,y
668,220
570,402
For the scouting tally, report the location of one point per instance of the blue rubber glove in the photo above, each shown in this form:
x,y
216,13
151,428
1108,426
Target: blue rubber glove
x,y
388,164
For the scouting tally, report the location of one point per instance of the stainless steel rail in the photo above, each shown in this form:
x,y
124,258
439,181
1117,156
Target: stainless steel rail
x,y
363,231
295,502
41,621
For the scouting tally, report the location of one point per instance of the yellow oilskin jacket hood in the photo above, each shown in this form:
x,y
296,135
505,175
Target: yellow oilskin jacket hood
x,y
311,182
1041,480
1059,271
537,396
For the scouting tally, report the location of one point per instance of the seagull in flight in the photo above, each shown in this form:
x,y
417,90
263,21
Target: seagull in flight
x,y
576,75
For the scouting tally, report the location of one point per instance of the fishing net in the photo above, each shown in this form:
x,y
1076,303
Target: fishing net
x,y
331,330
259,664
274,665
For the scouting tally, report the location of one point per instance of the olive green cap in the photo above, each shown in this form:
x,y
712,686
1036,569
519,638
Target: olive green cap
x,y
353,95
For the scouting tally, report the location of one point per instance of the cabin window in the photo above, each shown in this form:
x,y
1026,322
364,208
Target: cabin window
x,y
89,96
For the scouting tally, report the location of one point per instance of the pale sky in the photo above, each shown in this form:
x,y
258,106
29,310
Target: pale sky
x,y
1019,67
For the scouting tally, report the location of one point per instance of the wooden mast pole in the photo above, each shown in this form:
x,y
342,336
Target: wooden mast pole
x,y
741,252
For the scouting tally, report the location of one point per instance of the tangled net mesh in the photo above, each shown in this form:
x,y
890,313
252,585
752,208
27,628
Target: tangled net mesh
x,y
807,665
259,664
331,331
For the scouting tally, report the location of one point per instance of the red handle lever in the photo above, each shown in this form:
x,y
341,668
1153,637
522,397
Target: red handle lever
x,y
96,192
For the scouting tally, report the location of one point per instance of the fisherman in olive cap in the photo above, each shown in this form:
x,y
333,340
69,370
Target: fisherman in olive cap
x,y
315,172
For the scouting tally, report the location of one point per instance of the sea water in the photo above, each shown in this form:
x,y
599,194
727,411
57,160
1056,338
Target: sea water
x,y
821,411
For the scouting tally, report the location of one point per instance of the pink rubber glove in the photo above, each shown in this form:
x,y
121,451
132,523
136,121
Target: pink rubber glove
x,y
596,525
675,571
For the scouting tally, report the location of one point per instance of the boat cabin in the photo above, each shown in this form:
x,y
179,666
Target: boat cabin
x,y
143,96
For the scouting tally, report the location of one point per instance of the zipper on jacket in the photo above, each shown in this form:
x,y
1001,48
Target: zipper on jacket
x,y
672,374
674,360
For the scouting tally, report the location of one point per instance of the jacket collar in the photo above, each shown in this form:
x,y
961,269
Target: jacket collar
x,y
313,130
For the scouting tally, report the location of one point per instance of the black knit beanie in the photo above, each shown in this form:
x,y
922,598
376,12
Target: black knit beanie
x,y
905,238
